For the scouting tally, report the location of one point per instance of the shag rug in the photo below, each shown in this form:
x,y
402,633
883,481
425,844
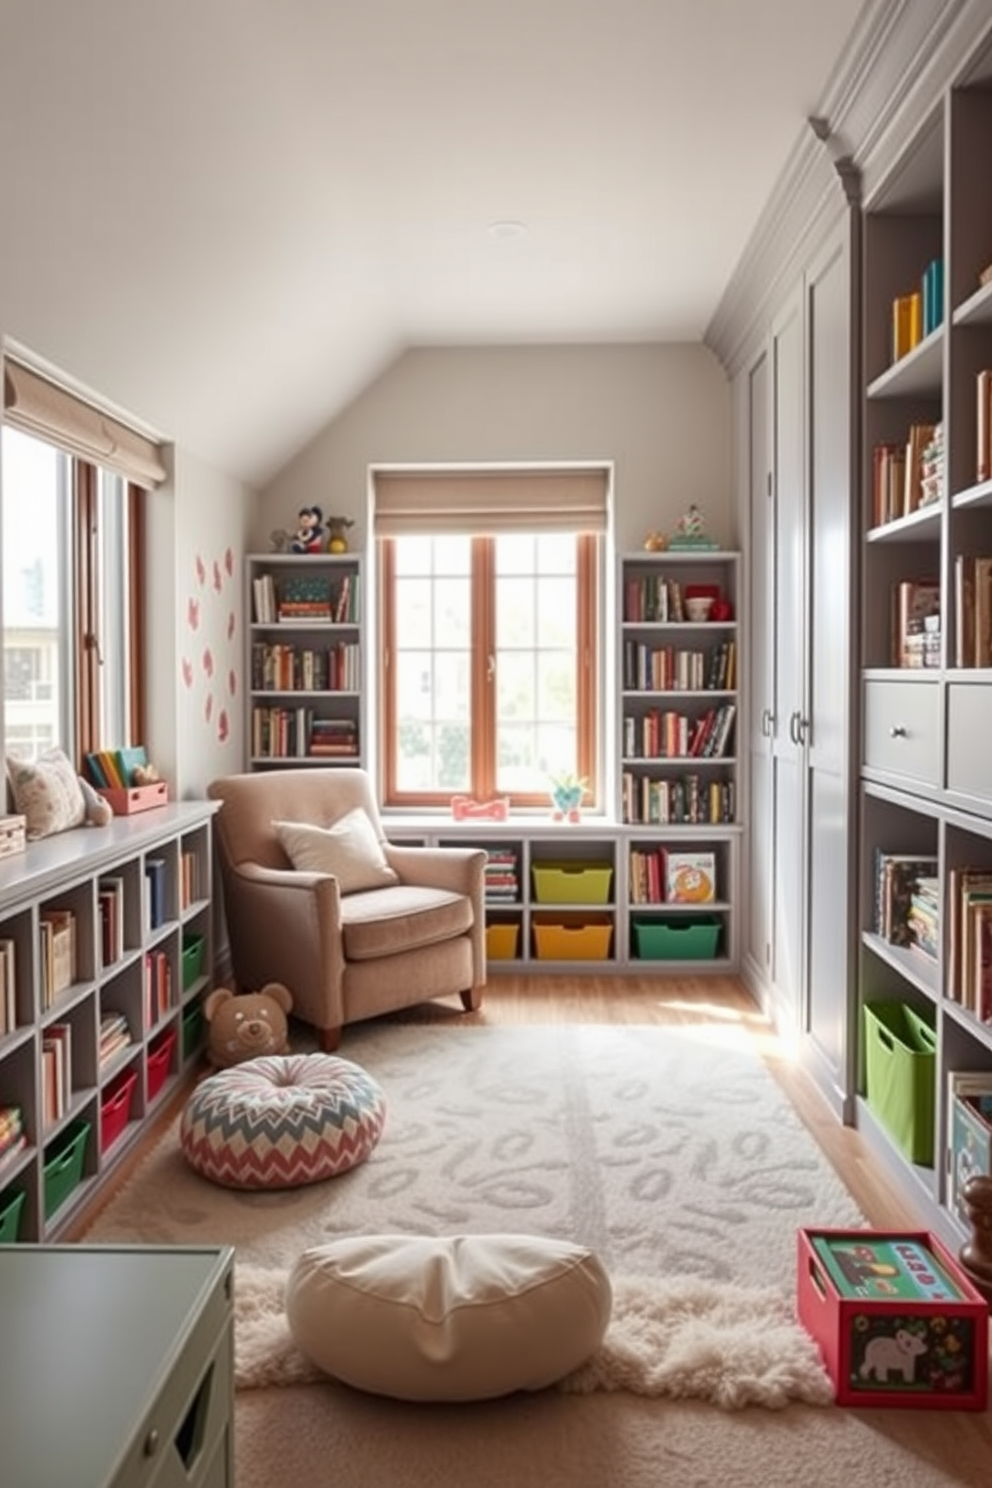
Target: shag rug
x,y
669,1151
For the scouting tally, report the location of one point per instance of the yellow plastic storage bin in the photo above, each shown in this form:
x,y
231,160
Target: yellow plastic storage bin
x,y
572,883
578,942
501,942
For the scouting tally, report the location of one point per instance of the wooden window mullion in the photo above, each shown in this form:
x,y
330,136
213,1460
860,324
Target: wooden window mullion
x,y
137,615
86,599
388,742
586,682
483,699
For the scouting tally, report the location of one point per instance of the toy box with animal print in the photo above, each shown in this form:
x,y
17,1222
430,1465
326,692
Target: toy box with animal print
x,y
895,1319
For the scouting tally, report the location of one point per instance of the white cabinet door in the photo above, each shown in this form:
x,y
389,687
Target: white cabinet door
x,y
756,421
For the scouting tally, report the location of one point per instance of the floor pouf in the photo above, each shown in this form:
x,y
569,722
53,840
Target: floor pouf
x,y
282,1120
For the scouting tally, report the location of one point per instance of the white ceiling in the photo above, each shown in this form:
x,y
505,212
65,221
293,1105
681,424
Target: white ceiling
x,y
228,216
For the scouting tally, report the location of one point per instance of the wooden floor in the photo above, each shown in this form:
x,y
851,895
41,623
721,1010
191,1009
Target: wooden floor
x,y
630,999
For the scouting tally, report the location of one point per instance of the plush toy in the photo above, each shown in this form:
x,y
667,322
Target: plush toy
x,y
98,811
145,775
309,536
337,528
248,1025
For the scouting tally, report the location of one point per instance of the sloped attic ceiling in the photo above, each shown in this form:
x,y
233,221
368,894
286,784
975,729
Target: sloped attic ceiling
x,y
227,216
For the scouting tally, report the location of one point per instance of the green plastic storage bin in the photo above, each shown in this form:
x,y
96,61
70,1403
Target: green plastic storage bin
x,y
688,938
11,1207
194,947
64,1165
900,1076
194,1030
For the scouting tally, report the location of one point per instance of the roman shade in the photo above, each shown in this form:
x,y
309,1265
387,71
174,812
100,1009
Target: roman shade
x,y
37,406
488,502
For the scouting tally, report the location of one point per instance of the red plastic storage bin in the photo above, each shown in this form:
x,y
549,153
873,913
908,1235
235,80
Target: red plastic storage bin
x,y
115,1108
160,1061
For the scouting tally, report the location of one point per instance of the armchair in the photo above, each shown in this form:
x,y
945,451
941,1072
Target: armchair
x,y
418,934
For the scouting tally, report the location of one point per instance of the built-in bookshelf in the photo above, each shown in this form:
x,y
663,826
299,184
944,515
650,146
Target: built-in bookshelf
x,y
105,957
926,839
304,659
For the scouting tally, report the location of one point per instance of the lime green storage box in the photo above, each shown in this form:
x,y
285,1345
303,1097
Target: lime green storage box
x,y
687,938
900,1076
11,1205
64,1165
572,883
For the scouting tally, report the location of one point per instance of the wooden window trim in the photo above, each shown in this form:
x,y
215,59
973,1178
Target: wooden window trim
x,y
137,615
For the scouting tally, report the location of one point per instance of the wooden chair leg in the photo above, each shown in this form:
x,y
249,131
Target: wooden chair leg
x,y
329,1038
471,999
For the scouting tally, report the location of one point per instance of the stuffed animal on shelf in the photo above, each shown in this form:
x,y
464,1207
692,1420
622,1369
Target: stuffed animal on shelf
x,y
337,528
98,811
310,534
247,1025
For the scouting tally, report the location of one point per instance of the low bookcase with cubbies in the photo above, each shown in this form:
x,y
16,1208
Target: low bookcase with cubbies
x,y
105,940
570,897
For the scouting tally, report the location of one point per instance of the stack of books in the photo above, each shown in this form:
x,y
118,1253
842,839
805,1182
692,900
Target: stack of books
x,y
114,1035
13,1138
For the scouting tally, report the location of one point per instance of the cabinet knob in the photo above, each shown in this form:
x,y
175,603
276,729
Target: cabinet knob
x,y
898,731
152,1442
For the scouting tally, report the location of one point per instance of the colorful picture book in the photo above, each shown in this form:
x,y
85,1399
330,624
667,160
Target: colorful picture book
x,y
885,1268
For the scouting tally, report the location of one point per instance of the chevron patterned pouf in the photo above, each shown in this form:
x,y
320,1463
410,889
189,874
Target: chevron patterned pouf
x,y
282,1120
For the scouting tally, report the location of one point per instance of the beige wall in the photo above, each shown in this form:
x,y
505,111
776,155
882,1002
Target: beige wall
x,y
660,413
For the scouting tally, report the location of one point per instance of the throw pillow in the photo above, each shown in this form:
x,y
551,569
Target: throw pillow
x,y
47,793
468,1317
349,849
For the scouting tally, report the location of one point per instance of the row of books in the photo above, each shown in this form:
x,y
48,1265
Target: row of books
x,y
13,1138
652,599
502,875
920,311
288,668
158,986
668,734
688,800
57,935
907,476
115,1035
113,769
666,669
896,880
111,906
664,876
191,886
297,733
916,623
972,610
56,1072
314,599
969,941
8,986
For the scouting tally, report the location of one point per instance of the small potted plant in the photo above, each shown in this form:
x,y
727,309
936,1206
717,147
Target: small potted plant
x,y
567,790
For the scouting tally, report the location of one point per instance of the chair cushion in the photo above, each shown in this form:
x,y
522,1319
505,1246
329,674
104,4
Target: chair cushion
x,y
385,922
349,849
467,1317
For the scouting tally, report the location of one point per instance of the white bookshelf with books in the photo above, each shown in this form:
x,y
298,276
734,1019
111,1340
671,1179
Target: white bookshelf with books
x,y
304,659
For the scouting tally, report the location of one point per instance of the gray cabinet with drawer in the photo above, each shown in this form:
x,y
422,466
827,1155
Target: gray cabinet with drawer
x,y
902,729
969,740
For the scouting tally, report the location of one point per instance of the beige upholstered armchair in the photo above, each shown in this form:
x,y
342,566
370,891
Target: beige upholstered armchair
x,y
315,897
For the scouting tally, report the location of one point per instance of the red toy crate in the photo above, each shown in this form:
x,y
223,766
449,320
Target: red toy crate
x,y
896,1320
115,1108
159,1061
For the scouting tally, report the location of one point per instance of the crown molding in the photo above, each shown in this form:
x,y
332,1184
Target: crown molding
x,y
899,59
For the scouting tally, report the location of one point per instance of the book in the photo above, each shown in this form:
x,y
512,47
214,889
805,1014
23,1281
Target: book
x,y
965,886
983,423
913,601
969,1132
896,877
907,323
983,612
919,440
155,871
690,877
885,1267
128,760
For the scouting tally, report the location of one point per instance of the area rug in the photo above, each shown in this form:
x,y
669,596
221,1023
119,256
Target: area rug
x,y
671,1153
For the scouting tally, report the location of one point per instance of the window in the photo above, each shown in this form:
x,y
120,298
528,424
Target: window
x,y
73,622
488,663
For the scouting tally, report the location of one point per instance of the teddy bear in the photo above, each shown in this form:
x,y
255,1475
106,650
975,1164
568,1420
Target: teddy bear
x,y
247,1025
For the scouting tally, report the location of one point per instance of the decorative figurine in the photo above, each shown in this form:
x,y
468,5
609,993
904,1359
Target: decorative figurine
x,y
567,790
309,536
690,531
337,528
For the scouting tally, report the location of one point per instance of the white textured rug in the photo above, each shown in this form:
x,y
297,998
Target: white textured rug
x,y
669,1151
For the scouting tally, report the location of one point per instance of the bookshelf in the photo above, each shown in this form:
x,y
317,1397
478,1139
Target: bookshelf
x,y
926,789
304,660
101,1026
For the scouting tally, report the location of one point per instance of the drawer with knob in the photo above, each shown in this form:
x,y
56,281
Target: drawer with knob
x,y
902,729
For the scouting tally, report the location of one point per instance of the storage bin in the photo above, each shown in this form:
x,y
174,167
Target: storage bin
x,y
11,1208
900,1071
689,938
64,1165
159,1061
501,942
572,883
115,1108
194,1027
126,801
194,947
580,942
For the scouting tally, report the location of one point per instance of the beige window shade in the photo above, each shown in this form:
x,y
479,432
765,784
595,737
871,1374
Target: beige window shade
x,y
489,502
39,407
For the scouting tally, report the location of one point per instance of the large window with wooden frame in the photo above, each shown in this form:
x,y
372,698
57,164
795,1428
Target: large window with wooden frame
x,y
489,678
72,543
